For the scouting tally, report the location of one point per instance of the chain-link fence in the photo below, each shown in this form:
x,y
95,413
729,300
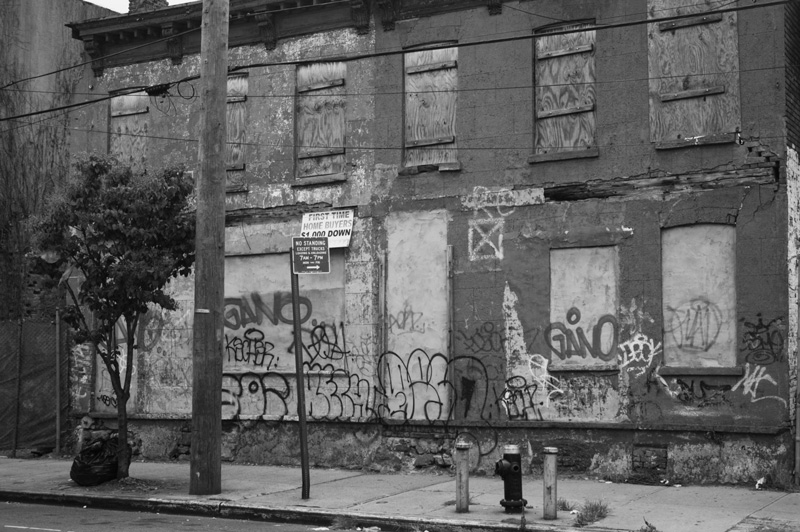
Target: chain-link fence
x,y
33,388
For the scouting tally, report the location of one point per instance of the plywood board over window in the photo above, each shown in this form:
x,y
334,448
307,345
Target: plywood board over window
x,y
236,112
565,93
128,140
699,296
694,74
431,85
321,107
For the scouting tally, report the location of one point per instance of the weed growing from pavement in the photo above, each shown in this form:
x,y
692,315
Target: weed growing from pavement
x,y
343,523
648,527
564,505
590,512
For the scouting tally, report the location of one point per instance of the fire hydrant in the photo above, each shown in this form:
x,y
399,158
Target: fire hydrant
x,y
510,469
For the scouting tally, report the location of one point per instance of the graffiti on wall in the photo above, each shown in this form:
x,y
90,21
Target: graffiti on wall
x,y
490,210
412,378
699,315
694,325
758,385
570,340
763,342
533,392
583,329
486,338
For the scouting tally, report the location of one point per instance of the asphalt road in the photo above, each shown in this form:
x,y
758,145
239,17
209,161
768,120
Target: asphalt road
x,y
17,517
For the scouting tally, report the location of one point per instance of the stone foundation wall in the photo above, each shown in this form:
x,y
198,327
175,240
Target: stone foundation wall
x,y
617,455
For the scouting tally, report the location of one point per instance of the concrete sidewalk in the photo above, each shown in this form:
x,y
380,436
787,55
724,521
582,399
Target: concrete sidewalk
x,y
425,501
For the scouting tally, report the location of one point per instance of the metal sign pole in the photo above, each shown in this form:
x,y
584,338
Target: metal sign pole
x,y
58,383
301,393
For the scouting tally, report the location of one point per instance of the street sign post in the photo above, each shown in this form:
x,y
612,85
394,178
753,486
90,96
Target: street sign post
x,y
309,255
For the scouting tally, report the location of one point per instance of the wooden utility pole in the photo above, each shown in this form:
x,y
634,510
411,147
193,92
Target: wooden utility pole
x,y
206,459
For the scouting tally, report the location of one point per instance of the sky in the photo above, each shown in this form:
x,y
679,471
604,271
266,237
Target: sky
x,y
121,6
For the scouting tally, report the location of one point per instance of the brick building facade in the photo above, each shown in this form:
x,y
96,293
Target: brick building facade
x,y
574,224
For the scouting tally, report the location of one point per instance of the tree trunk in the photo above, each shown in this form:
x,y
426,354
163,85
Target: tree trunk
x,y
123,449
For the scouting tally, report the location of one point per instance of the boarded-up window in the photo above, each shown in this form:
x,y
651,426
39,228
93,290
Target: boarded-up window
x,y
694,80
413,382
583,331
258,362
699,295
237,120
321,104
431,85
129,129
565,93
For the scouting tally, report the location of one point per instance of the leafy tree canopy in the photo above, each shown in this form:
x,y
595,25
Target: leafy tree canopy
x,y
127,234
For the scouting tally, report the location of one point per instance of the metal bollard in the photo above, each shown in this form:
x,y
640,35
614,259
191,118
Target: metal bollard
x,y
550,506
510,469
462,476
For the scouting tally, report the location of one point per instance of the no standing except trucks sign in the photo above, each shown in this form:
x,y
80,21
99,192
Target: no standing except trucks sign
x,y
310,255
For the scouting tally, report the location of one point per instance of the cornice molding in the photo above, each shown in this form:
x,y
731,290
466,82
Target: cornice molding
x,y
266,28
168,30
359,10
389,10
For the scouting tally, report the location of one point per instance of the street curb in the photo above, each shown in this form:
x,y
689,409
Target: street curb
x,y
237,510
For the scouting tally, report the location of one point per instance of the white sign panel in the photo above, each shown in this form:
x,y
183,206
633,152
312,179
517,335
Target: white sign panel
x,y
336,225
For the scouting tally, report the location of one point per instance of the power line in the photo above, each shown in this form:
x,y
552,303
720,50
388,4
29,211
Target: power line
x,y
471,90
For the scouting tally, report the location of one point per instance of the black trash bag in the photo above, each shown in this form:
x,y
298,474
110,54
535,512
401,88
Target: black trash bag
x,y
96,463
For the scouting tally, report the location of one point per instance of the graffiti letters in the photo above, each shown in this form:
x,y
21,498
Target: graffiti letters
x,y
763,342
251,349
519,399
699,393
254,395
636,354
484,339
566,343
241,311
756,377
406,321
325,342
415,387
695,325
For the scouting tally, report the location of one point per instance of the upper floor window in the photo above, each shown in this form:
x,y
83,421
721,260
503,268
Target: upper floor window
x,y
321,106
564,93
236,112
431,85
129,125
694,74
